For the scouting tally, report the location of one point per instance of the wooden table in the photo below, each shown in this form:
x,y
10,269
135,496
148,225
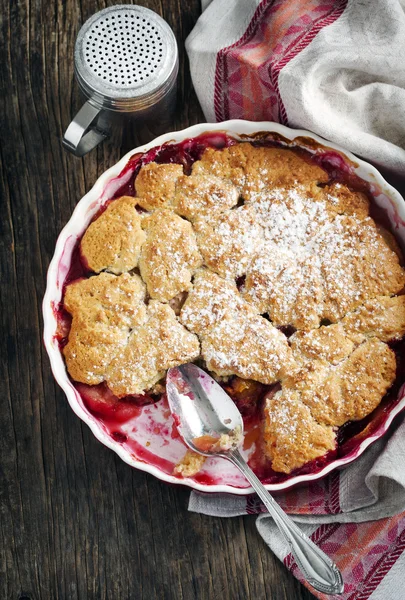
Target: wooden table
x,y
76,522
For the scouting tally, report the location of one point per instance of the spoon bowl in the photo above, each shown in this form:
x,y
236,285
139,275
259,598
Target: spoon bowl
x,y
202,423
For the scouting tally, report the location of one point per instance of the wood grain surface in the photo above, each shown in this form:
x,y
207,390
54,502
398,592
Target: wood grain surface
x,y
76,522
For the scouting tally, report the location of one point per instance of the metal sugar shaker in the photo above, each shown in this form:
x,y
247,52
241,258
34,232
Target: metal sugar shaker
x,y
126,64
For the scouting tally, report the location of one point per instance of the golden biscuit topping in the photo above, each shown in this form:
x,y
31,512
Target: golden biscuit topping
x,y
383,317
343,201
292,437
156,345
105,308
336,381
169,255
356,265
349,390
113,242
248,347
299,420
229,241
326,343
254,170
155,185
212,300
117,338
235,340
203,194
315,264
254,239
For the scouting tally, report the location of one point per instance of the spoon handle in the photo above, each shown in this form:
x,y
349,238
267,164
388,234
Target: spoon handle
x,y
319,570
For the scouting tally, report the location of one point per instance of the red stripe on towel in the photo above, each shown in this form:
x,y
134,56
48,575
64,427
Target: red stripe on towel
x,y
247,72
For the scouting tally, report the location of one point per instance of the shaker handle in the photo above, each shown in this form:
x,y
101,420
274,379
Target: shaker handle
x,y
83,135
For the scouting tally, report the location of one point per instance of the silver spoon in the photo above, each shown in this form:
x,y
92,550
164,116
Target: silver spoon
x,y
210,423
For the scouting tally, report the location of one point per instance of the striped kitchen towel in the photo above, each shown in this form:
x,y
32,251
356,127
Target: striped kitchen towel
x,y
357,516
334,67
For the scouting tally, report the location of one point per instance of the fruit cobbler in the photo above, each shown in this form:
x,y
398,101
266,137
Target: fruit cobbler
x,y
260,263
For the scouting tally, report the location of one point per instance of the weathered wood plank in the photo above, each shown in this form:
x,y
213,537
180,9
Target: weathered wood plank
x,y
76,522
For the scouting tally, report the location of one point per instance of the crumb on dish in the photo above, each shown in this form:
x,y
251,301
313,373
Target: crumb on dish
x,y
190,464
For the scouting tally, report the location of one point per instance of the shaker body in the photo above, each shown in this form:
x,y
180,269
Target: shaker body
x,y
126,65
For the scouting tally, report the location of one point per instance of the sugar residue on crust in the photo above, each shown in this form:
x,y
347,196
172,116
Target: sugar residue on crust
x,y
255,169
316,263
234,338
229,241
153,347
202,193
292,437
117,338
338,379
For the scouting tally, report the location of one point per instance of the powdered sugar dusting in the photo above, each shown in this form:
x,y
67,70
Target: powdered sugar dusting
x,y
314,263
228,242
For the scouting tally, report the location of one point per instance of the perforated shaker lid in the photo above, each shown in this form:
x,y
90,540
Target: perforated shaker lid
x,y
126,58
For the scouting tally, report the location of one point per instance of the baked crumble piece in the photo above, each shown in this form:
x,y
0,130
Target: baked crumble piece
x,y
258,264
190,464
105,308
383,317
204,194
113,242
234,339
254,169
169,255
156,184
229,241
292,436
153,347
